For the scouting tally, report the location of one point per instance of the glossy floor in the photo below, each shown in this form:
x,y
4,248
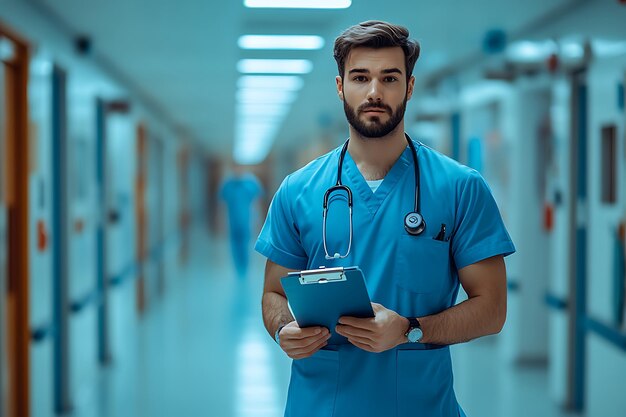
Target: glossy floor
x,y
202,350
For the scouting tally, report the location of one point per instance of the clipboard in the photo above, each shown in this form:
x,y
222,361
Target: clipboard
x,y
318,297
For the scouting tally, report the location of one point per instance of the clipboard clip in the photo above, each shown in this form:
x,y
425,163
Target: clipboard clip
x,y
322,276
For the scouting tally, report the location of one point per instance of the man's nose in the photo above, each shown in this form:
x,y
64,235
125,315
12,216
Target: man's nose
x,y
374,93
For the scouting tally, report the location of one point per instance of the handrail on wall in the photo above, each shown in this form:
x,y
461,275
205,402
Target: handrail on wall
x,y
42,332
610,333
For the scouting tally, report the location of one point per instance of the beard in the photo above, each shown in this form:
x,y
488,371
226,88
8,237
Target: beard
x,y
374,128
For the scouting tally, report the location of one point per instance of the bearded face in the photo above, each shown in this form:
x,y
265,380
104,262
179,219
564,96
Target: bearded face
x,y
375,119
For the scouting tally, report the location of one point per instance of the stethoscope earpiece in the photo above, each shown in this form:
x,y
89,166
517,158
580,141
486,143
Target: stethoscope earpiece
x,y
414,223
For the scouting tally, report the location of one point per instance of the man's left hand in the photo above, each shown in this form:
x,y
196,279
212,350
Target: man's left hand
x,y
376,334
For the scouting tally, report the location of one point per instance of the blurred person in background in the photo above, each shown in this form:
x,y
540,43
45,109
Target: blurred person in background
x,y
397,363
240,190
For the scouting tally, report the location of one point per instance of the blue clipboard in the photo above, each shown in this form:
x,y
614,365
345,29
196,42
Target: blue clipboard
x,y
318,297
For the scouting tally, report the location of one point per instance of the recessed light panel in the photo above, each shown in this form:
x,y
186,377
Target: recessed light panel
x,y
299,4
307,42
274,66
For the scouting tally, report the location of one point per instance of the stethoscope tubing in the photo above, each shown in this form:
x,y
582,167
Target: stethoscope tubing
x,y
339,186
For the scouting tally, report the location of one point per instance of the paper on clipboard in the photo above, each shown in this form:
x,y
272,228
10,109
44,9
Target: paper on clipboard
x,y
319,297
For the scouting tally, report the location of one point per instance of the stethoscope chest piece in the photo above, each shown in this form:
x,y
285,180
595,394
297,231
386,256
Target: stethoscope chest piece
x,y
414,223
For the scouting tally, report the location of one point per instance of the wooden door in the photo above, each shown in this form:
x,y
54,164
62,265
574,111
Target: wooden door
x,y
3,245
15,296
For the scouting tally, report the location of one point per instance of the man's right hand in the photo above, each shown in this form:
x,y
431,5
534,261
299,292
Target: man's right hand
x,y
301,343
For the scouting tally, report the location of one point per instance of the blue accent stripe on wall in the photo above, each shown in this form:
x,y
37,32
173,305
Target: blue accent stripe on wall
x,y
40,333
582,141
581,308
104,353
512,285
607,332
129,272
455,124
92,297
60,313
619,281
581,255
556,303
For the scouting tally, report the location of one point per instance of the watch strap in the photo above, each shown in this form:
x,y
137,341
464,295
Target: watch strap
x,y
277,334
413,324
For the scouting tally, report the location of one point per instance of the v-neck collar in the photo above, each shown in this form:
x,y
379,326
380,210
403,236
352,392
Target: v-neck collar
x,y
359,185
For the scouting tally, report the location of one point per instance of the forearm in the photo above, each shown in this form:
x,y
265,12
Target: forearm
x,y
275,312
476,317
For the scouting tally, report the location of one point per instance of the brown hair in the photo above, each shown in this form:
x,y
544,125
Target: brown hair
x,y
376,34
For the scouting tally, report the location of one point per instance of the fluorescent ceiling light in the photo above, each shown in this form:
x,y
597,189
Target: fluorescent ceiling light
x,y
252,150
253,142
274,66
308,42
606,48
258,127
529,52
276,116
572,50
484,92
265,96
299,4
262,110
260,120
253,109
283,82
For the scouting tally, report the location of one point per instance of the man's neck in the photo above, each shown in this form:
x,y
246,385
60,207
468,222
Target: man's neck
x,y
375,156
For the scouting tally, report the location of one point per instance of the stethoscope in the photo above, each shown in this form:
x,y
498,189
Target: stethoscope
x,y
414,223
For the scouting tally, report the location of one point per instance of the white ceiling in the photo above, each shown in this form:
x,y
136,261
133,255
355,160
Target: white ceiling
x,y
182,54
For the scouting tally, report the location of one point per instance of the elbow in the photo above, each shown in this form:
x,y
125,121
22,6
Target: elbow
x,y
499,325
499,318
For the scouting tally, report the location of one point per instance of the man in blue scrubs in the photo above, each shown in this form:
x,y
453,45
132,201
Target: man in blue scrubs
x,y
397,363
240,191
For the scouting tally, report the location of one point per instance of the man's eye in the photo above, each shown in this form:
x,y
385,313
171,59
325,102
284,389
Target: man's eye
x,y
360,78
390,79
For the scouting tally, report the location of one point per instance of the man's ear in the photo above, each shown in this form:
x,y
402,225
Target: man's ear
x,y
410,87
339,82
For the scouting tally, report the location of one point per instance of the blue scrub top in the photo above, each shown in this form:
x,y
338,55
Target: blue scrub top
x,y
239,193
412,275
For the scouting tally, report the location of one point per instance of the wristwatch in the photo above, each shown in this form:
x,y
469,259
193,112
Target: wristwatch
x,y
414,332
277,334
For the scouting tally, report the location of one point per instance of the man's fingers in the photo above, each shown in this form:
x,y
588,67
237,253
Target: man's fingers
x,y
293,333
304,352
294,343
349,331
361,345
363,340
365,324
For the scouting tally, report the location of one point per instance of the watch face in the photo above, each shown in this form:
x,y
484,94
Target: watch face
x,y
415,335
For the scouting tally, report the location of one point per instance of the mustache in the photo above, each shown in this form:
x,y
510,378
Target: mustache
x,y
372,106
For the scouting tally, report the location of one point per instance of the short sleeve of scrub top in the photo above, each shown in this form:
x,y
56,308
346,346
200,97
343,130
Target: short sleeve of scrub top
x,y
479,230
279,240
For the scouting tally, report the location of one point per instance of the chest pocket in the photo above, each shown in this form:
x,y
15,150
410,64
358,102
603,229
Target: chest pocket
x,y
422,264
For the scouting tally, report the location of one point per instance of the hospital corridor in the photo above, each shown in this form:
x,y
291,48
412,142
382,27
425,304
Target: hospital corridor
x,y
320,208
200,354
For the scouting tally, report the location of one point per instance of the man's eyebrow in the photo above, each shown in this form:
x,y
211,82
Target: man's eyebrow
x,y
366,71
